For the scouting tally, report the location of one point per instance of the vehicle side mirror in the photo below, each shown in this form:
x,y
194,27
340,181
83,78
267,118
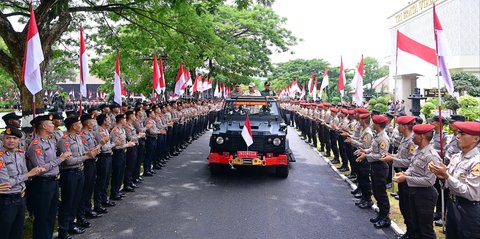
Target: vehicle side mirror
x,y
283,126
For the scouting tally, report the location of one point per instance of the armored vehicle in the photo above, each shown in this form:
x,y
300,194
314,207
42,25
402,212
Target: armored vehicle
x,y
270,145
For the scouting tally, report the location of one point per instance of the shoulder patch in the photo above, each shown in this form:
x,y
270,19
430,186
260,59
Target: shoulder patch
x,y
84,141
65,136
1,153
1,164
382,144
38,151
81,134
476,170
67,144
365,138
412,148
35,141
20,150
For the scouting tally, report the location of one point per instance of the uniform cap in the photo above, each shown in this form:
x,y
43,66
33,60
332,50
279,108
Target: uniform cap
x,y
334,110
362,111
114,105
469,127
351,112
389,115
423,128
9,130
437,119
326,104
375,112
454,118
70,113
364,116
10,116
406,119
101,119
86,117
379,119
37,120
251,84
418,120
130,112
119,117
69,121
345,111
320,105
56,116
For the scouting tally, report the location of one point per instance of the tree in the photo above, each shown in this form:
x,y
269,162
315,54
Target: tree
x,y
469,107
54,18
464,82
373,71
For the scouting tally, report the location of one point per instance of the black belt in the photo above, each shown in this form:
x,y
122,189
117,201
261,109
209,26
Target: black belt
x,y
152,137
71,170
105,154
47,178
12,195
462,200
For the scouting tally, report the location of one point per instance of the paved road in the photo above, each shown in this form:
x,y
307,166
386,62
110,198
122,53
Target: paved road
x,y
184,201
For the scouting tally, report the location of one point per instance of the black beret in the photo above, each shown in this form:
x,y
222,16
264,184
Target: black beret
x,y
137,109
9,130
102,106
119,117
149,111
101,118
10,116
114,105
124,104
70,113
37,120
375,112
86,117
454,118
389,115
418,120
69,121
93,108
437,119
57,116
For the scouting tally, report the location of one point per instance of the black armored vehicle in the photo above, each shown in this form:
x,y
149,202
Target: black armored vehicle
x,y
270,146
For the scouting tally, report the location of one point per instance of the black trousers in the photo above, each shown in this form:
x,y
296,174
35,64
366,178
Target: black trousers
x,y
150,147
438,206
140,158
363,178
89,172
422,202
320,136
463,219
379,186
328,142
71,185
118,170
342,150
12,210
131,162
351,158
104,170
313,133
333,143
404,203
45,205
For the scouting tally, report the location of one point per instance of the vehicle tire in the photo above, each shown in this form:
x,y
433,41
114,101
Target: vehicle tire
x,y
281,171
216,169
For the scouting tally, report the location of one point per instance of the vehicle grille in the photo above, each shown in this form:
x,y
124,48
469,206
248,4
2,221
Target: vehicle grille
x,y
236,143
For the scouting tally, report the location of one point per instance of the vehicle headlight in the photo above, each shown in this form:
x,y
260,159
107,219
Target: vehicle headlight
x,y
277,141
219,140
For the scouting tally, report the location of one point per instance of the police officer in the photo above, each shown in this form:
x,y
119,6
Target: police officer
x,y
462,177
379,172
132,157
422,195
333,135
42,152
12,119
89,170
71,177
439,148
119,137
401,162
363,141
57,122
150,143
267,91
104,165
140,128
13,173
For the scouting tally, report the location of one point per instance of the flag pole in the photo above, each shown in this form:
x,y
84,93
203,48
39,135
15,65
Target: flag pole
x,y
81,96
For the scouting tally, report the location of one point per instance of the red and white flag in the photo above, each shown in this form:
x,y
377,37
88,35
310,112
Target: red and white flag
x,y
302,93
357,84
83,66
341,78
180,81
156,75
310,83
414,57
32,58
314,90
216,93
247,132
210,84
118,87
162,76
205,84
324,82
442,52
196,84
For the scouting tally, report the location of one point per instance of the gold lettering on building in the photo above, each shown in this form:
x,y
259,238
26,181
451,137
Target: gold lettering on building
x,y
414,9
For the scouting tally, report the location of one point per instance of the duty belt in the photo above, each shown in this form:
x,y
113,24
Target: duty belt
x,y
461,200
12,195
48,178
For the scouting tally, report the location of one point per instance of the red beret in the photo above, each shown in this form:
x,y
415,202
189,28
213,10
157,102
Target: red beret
x,y
362,111
345,111
334,110
364,116
320,105
379,119
326,104
303,104
406,119
351,112
423,128
471,128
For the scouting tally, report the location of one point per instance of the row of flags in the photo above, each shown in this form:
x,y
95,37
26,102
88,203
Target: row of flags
x,y
411,57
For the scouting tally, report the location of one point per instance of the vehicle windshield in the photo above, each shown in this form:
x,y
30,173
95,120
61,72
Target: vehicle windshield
x,y
251,108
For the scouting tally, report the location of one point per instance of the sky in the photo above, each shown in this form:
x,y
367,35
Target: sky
x,y
334,28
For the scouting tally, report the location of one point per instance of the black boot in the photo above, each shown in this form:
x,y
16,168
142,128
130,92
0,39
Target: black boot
x,y
383,222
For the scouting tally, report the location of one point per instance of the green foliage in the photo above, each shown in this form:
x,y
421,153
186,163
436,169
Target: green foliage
x,y
469,107
382,100
381,107
371,104
466,82
373,71
284,73
434,101
427,108
451,103
335,100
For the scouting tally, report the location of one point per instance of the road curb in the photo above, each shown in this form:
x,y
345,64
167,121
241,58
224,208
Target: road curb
x,y
393,225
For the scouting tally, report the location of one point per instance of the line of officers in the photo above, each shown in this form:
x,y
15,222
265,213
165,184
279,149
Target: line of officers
x,y
104,146
368,143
